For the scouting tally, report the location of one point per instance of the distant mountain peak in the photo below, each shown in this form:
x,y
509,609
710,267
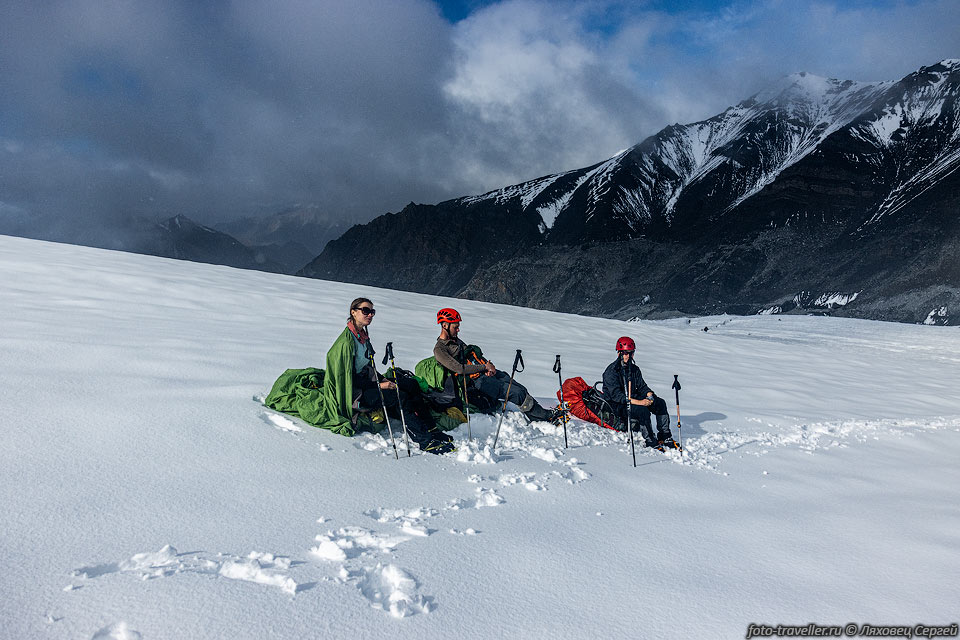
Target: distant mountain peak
x,y
178,221
803,88
949,64
181,222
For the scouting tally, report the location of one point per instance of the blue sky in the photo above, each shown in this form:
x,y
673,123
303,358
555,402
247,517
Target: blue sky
x,y
456,10
229,108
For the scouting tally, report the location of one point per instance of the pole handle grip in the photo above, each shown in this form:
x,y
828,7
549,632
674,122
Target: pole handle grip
x,y
556,365
518,360
387,353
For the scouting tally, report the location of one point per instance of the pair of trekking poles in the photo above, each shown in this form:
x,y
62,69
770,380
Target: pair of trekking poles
x,y
518,365
388,355
628,389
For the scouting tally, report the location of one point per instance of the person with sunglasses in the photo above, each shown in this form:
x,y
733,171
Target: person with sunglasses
x,y
352,379
645,402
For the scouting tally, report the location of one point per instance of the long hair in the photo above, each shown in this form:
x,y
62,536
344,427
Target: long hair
x,y
354,305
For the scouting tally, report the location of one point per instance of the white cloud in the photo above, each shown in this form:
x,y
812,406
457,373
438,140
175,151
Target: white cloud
x,y
535,93
360,106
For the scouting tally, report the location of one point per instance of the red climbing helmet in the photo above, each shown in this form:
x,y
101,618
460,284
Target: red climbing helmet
x,y
626,344
447,315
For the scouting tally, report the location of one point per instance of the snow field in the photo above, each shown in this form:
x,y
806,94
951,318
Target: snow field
x,y
148,493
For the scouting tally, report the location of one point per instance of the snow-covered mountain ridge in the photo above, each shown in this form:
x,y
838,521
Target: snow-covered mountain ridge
x,y
920,127
742,150
812,188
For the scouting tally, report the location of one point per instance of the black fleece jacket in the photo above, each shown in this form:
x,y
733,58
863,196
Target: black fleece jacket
x,y
613,382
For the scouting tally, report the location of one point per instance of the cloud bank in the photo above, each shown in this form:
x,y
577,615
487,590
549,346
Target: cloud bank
x,y
224,109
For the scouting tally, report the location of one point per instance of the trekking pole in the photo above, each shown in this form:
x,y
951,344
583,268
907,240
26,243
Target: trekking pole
x,y
629,390
516,360
396,379
466,408
563,412
676,389
383,401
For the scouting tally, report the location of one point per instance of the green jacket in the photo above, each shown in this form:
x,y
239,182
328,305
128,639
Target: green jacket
x,y
321,398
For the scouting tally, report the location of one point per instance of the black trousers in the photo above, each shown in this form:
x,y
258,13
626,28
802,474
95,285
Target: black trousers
x,y
495,387
641,416
416,413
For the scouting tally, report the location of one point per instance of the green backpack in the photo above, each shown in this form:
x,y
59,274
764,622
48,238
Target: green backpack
x,y
431,372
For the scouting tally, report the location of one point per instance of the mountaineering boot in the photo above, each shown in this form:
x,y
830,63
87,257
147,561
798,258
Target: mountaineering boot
x,y
670,443
439,447
532,409
557,415
653,444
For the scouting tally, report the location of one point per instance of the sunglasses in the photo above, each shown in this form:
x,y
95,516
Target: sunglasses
x,y
367,311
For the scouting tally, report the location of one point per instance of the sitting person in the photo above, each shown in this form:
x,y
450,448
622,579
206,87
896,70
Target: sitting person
x,y
483,377
644,402
352,379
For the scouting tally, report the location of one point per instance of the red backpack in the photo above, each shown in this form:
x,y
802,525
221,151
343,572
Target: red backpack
x,y
573,391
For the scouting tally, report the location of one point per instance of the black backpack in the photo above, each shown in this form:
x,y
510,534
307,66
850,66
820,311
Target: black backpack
x,y
594,399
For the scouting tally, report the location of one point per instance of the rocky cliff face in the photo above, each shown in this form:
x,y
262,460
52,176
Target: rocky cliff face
x,y
817,194
435,249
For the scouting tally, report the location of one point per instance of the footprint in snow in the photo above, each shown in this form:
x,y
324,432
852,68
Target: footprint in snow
x,y
353,542
401,515
257,567
387,587
485,498
118,631
391,589
410,521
